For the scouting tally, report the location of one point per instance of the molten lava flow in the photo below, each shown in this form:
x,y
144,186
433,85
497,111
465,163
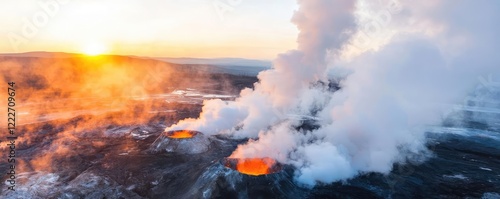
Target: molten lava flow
x,y
253,166
183,134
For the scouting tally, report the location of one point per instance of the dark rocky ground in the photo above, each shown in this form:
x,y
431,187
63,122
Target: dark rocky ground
x,y
114,161
107,154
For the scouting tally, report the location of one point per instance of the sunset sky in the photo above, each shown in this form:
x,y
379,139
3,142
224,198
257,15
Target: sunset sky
x,y
257,29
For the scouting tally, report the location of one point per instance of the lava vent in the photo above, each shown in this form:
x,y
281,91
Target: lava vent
x,y
181,134
181,141
253,166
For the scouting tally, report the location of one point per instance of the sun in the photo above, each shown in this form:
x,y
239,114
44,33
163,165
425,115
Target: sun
x,y
94,49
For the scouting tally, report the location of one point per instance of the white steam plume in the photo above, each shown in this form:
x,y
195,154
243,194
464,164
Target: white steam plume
x,y
434,57
325,26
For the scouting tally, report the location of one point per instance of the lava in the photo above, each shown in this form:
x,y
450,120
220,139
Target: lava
x,y
253,166
181,142
181,134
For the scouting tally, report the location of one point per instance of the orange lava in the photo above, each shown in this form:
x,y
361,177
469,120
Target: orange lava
x,y
255,166
181,134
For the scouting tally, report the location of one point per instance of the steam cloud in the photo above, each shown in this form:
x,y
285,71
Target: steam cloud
x,y
434,57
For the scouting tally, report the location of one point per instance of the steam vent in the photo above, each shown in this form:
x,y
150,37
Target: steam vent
x,y
253,166
181,141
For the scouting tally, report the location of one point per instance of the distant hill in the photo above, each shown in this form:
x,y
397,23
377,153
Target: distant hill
x,y
41,54
218,61
235,66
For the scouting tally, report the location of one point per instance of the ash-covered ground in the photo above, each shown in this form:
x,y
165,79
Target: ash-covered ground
x,y
89,157
109,152
105,160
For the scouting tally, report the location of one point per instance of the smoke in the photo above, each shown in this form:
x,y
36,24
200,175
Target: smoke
x,y
433,58
62,102
62,88
325,26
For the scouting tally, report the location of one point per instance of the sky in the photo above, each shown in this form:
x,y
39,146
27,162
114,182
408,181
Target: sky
x,y
257,29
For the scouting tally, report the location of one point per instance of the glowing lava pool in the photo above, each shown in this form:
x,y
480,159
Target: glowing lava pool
x,y
253,166
181,141
181,134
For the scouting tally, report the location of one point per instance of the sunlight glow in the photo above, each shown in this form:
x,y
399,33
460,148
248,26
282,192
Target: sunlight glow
x,y
94,49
